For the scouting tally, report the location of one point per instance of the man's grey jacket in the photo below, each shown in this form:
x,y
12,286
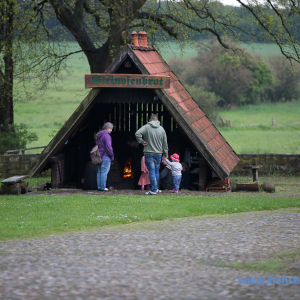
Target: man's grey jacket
x,y
156,137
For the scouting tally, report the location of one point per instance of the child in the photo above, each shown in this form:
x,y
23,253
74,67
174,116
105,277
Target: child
x,y
176,171
144,179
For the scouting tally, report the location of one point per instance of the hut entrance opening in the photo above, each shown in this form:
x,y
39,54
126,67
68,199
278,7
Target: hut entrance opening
x,y
68,167
127,109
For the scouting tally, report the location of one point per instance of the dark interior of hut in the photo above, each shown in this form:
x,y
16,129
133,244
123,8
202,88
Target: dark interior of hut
x,y
128,110
127,119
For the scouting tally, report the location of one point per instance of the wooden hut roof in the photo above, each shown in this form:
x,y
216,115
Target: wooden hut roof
x,y
180,104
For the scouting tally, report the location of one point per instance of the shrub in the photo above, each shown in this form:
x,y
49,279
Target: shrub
x,y
236,77
207,101
286,80
15,136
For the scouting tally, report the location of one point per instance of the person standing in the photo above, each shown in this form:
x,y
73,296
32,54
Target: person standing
x,y
103,139
144,178
176,169
154,139
136,150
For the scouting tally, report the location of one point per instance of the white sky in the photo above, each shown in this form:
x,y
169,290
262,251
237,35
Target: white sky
x,y
230,2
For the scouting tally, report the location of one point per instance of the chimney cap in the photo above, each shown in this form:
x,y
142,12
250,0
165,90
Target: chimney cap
x,y
134,38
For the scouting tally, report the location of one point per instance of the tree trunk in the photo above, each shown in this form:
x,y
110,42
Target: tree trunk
x,y
121,15
6,79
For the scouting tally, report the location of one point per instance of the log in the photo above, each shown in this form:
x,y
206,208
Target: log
x,y
11,189
249,187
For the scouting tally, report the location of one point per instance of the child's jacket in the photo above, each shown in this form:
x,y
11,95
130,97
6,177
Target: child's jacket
x,y
176,167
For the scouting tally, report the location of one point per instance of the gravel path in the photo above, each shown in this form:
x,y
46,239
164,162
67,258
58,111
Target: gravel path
x,y
173,259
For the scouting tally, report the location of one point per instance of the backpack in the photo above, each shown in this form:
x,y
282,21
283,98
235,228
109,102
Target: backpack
x,y
95,155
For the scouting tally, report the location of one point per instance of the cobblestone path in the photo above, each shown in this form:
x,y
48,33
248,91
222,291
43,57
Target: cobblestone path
x,y
173,259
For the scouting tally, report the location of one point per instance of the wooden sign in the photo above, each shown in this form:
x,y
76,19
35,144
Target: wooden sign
x,y
127,81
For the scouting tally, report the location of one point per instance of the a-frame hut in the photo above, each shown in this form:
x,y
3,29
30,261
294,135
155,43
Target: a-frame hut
x,y
190,133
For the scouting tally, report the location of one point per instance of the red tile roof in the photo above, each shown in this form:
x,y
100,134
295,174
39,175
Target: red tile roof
x,y
208,134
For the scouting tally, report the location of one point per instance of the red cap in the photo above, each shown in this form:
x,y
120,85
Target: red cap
x,y
175,157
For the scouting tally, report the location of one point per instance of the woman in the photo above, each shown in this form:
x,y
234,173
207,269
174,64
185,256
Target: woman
x,y
107,154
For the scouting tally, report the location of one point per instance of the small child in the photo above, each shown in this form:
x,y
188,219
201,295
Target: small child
x,y
144,179
176,168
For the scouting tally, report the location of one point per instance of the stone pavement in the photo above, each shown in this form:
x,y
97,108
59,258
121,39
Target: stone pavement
x,y
172,259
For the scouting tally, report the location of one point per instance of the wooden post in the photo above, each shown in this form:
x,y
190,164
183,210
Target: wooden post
x,y
132,117
255,174
56,171
254,169
202,174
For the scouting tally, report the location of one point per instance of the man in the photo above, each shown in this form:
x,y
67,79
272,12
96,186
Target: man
x,y
154,139
136,157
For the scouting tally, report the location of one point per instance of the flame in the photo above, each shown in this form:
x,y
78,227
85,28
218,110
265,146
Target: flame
x,y
127,169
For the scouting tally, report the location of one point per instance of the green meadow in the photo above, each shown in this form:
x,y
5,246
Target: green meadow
x,y
251,130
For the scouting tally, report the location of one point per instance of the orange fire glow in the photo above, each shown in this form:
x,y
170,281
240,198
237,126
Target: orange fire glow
x,y
127,169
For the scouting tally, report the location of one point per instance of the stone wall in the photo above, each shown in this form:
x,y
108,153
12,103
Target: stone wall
x,y
280,163
15,164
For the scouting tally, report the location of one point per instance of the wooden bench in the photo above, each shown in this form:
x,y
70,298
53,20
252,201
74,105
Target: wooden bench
x,y
14,185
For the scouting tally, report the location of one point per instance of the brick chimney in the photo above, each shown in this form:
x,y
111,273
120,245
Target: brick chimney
x,y
143,38
134,38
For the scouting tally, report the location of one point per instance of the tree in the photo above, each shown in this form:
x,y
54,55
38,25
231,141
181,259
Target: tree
x,y
235,78
278,21
28,54
6,76
101,27
286,80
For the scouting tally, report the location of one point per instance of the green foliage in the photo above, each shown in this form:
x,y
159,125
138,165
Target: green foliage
x,y
236,77
286,85
276,21
16,136
207,101
31,216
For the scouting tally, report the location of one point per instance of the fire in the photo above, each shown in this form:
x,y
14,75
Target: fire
x,y
127,172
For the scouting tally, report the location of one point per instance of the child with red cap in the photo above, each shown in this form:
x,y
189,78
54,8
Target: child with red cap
x,y
176,169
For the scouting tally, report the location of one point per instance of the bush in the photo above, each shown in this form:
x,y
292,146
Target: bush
x,y
286,80
207,101
15,136
235,77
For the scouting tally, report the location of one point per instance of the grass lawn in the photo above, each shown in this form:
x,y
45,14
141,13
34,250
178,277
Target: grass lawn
x,y
33,215
252,130
171,50
30,216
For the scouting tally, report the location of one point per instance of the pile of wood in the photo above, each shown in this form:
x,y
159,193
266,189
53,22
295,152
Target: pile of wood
x,y
217,185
